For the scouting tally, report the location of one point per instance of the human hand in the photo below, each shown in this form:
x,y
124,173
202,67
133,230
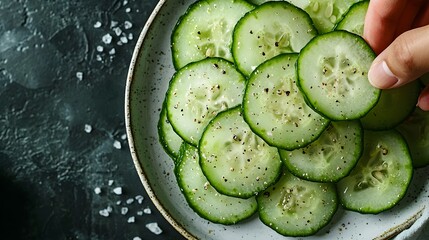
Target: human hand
x,y
398,30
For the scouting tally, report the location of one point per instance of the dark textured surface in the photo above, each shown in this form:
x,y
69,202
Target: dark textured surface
x,y
57,76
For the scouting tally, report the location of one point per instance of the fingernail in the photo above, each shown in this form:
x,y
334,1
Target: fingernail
x,y
380,76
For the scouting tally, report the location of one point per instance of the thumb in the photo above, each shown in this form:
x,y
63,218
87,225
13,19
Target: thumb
x,y
403,61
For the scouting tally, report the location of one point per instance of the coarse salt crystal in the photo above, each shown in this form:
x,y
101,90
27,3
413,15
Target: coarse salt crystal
x,y
154,228
117,144
117,31
128,25
99,58
140,213
113,24
129,201
131,219
124,39
97,190
109,209
137,238
110,182
97,24
147,210
117,190
112,51
130,36
125,2
124,210
118,202
104,212
100,48
79,75
107,39
139,199
87,128
128,10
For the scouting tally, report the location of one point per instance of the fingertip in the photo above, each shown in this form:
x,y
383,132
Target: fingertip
x,y
423,102
380,75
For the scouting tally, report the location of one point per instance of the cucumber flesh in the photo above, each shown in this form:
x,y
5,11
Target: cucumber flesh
x,y
205,30
275,108
296,207
335,81
331,157
382,175
198,92
235,160
354,19
203,198
415,130
267,31
168,138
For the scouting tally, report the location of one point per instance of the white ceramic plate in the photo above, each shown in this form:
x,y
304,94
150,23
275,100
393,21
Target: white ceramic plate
x,y
150,71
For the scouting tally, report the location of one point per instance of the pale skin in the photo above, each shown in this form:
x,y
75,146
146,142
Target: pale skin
x,y
398,31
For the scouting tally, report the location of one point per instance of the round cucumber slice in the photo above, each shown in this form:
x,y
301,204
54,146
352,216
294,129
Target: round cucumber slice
x,y
168,138
267,31
205,30
415,130
203,198
332,73
331,157
354,19
275,108
393,107
296,207
235,160
200,90
382,175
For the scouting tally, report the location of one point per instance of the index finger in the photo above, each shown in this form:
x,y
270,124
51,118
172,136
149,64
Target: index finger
x,y
381,22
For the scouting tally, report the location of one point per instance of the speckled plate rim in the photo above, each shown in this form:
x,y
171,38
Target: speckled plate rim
x,y
128,122
409,229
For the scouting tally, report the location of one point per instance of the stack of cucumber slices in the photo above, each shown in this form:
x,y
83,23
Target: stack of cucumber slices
x,y
271,112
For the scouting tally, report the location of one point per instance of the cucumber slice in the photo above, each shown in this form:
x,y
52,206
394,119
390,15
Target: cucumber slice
x,y
234,159
168,138
382,175
198,92
275,108
332,71
267,31
416,133
203,198
331,157
394,106
354,19
296,207
205,30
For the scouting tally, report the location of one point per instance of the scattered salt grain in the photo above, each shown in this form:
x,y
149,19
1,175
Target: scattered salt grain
x,y
99,58
109,209
104,212
128,10
125,2
117,31
97,190
107,39
113,24
120,43
129,201
117,144
154,228
139,199
137,238
97,24
128,25
117,190
79,76
100,48
124,39
147,210
87,128
130,36
110,182
124,210
118,202
131,219
112,51
140,213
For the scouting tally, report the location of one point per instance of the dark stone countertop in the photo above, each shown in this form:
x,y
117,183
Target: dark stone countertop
x,y
63,66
